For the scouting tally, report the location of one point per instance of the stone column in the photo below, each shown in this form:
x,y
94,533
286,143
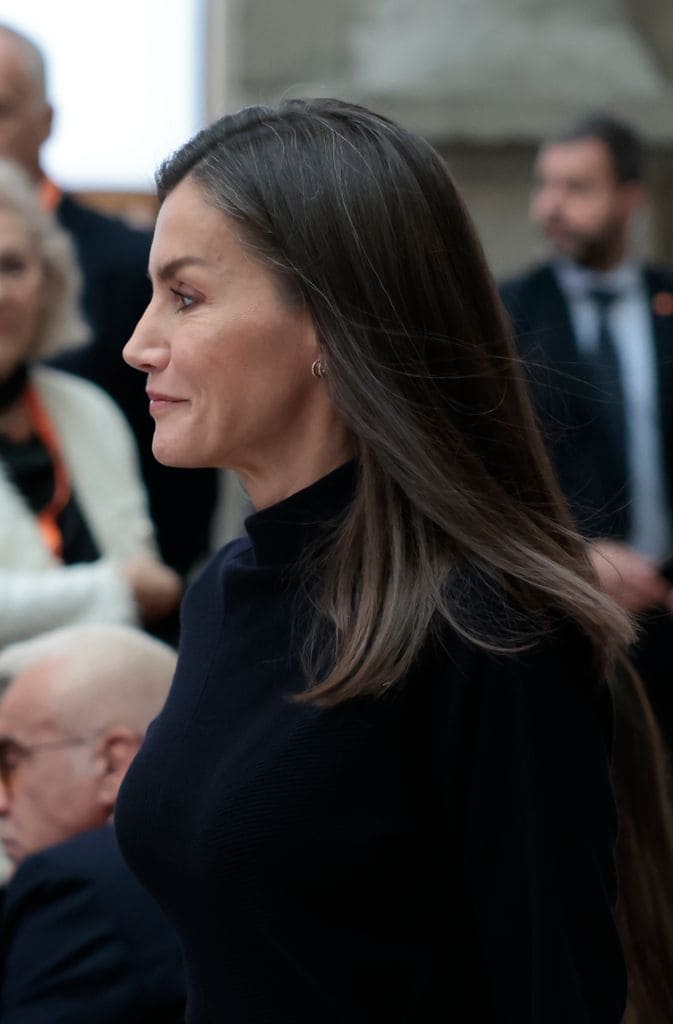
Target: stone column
x,y
484,80
501,68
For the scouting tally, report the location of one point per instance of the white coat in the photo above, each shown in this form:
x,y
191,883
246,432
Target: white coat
x,y
37,592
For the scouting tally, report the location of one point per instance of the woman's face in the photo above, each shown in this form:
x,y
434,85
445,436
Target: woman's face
x,y
21,291
228,357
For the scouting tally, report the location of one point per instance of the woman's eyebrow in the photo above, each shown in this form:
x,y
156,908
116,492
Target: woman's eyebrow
x,y
169,269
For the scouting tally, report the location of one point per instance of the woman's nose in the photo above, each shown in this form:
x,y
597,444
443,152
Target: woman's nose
x,y
145,350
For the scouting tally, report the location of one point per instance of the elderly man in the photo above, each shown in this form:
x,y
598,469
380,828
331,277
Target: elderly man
x,y
113,257
81,939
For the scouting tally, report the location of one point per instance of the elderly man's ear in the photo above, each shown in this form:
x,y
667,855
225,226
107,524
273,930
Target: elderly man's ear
x,y
116,749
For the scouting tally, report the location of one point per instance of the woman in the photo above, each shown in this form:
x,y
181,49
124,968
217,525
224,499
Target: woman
x,y
380,787
76,541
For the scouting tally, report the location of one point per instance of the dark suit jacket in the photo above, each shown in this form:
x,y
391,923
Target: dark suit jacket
x,y
83,941
591,468
113,257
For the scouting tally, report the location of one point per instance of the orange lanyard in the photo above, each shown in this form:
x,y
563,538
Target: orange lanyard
x,y
48,516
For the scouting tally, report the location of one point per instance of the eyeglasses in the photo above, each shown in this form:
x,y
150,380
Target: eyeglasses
x,y
12,753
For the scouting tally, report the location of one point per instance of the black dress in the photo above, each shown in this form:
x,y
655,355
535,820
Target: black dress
x,y
444,853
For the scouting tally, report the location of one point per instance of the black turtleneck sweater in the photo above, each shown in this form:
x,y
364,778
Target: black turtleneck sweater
x,y
443,853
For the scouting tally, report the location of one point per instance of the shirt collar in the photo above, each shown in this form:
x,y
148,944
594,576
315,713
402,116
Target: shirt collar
x,y
575,280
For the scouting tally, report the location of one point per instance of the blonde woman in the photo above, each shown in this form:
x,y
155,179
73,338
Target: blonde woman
x,y
76,540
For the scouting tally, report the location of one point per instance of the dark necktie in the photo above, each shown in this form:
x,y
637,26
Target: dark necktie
x,y
607,378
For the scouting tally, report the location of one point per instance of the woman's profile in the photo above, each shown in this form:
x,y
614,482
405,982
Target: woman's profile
x,y
380,788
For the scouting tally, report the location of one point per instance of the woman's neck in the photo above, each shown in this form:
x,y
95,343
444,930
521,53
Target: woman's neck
x,y
287,476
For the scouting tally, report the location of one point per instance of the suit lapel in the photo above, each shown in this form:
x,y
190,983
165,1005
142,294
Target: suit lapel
x,y
543,326
566,389
553,334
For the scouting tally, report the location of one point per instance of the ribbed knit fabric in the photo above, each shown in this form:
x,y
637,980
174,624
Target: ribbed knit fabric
x,y
441,854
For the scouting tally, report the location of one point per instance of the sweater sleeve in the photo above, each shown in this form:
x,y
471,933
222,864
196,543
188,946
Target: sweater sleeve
x,y
540,836
32,601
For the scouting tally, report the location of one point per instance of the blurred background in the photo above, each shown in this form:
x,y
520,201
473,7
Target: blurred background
x,y
484,80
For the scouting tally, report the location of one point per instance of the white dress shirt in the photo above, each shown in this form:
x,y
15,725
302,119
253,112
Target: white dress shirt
x,y
630,322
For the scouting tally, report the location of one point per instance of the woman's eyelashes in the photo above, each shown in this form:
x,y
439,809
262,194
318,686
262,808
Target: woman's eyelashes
x,y
184,301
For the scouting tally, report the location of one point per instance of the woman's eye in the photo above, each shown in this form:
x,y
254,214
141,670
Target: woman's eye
x,y
13,266
184,301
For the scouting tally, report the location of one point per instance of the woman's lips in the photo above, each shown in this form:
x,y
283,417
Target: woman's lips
x,y
159,401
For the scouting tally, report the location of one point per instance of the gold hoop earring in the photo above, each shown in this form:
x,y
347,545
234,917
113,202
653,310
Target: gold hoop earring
x,y
319,369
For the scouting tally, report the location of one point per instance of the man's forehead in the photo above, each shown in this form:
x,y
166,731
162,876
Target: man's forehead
x,y
28,702
20,719
588,153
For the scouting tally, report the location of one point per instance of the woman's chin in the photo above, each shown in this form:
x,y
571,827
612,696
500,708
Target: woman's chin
x,y
174,456
169,455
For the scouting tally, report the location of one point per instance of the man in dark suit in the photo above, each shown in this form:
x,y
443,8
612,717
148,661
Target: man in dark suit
x,y
113,257
595,328
81,940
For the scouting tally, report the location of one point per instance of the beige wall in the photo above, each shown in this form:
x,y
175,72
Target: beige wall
x,y
484,80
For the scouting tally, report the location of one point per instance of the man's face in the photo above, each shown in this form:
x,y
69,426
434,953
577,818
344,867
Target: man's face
x,y
580,206
47,772
25,116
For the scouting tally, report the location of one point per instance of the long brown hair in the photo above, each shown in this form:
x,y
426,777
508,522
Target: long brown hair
x,y
363,223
